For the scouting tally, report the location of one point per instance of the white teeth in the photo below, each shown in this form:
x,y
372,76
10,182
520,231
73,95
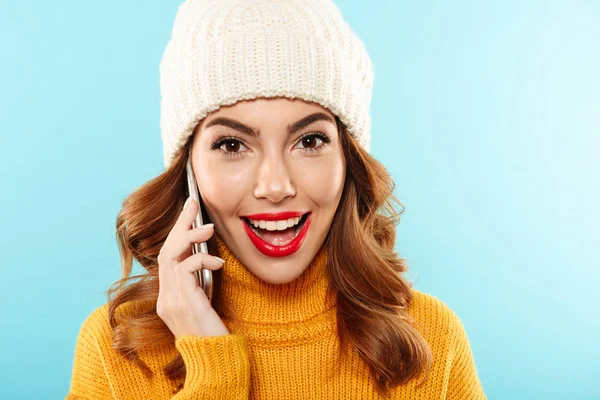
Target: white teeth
x,y
275,225
271,225
281,225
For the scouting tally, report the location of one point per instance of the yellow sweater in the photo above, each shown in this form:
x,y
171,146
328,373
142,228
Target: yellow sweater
x,y
286,349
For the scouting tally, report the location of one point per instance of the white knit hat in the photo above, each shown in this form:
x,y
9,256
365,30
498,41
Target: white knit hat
x,y
224,51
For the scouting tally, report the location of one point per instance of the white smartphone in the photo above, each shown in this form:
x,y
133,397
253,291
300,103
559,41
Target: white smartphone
x,y
204,277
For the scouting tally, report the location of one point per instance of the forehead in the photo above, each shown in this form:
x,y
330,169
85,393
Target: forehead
x,y
261,111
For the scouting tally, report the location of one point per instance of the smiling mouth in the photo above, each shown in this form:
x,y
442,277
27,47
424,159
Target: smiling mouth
x,y
278,237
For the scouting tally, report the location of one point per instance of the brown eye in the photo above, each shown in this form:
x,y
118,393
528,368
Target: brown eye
x,y
232,146
309,142
229,146
313,142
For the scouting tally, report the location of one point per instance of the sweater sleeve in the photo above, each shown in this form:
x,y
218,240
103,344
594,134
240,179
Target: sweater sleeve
x,y
464,383
217,367
88,379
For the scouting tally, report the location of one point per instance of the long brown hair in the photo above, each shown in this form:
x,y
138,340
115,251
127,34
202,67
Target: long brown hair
x,y
372,295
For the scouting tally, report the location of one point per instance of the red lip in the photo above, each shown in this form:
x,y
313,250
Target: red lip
x,y
275,216
277,251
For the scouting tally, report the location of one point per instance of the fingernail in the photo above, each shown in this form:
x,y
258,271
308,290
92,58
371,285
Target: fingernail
x,y
207,226
187,202
220,259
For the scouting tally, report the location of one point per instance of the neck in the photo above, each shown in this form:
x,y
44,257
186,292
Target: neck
x,y
252,300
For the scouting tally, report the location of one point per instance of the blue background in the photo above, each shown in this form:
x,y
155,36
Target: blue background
x,y
486,113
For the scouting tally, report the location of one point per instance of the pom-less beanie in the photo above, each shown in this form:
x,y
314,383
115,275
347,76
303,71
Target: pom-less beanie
x,y
224,51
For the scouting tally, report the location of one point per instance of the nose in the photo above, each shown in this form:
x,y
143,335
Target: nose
x,y
273,181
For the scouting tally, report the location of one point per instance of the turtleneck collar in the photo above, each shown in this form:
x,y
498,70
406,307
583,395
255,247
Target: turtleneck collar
x,y
257,302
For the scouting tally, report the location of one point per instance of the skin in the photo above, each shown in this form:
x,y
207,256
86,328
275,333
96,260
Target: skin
x,y
272,172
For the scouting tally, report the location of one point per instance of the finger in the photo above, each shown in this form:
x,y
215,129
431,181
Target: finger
x,y
175,248
185,274
197,235
176,251
166,277
188,252
183,222
178,244
186,217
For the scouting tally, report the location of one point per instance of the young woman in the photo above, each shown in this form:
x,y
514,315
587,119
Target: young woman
x,y
270,101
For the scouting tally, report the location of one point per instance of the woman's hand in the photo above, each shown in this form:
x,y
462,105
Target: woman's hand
x,y
181,303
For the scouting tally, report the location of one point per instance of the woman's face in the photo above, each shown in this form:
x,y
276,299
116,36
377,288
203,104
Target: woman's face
x,y
276,163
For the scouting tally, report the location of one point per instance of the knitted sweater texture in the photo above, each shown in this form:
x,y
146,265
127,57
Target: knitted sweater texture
x,y
286,348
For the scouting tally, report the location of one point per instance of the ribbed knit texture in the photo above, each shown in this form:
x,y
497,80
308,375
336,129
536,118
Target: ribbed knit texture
x,y
286,349
224,51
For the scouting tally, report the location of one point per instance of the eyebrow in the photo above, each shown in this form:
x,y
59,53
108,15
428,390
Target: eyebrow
x,y
291,129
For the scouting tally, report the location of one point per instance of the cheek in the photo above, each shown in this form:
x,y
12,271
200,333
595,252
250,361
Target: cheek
x,y
323,181
222,188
